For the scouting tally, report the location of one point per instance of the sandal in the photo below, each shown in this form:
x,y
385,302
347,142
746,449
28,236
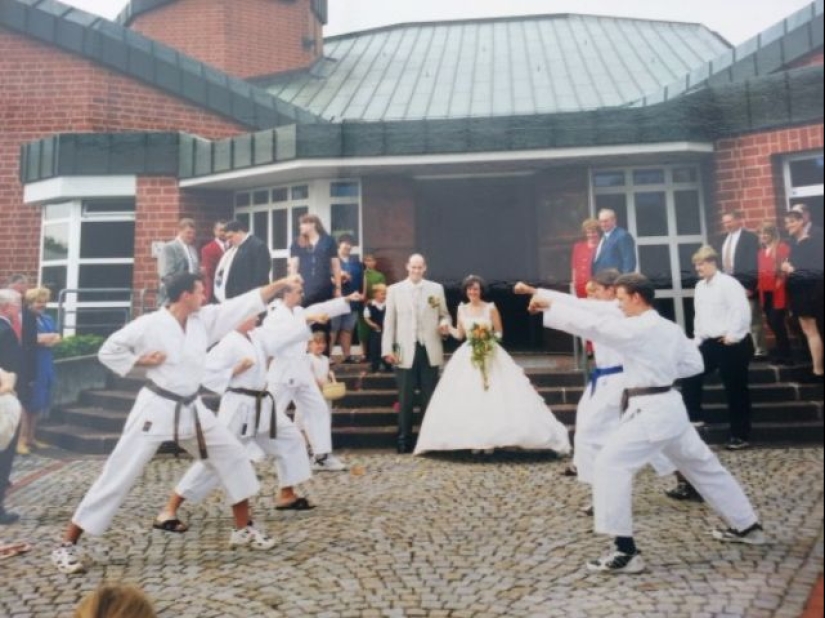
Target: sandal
x,y
170,525
14,549
299,504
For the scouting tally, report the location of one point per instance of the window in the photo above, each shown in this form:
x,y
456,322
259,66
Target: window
x,y
87,261
804,183
663,209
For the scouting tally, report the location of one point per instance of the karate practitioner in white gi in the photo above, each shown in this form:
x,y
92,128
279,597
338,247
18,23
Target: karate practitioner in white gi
x,y
599,412
290,375
237,368
172,343
654,353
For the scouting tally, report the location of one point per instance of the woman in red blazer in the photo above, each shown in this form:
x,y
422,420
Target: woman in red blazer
x,y
582,259
771,286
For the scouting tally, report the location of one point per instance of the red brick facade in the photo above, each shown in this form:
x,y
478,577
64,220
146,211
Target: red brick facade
x,y
47,91
244,38
748,171
388,211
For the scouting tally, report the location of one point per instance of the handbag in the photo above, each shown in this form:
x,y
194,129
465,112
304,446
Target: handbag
x,y
10,411
334,390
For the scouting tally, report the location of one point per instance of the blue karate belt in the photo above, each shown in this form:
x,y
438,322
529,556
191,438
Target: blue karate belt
x,y
600,372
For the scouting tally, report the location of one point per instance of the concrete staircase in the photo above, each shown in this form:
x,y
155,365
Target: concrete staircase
x,y
788,407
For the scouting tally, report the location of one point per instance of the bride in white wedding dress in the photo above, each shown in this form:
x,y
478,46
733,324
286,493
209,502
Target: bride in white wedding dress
x,y
471,410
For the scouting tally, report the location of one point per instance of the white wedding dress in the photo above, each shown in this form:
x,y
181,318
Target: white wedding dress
x,y
510,413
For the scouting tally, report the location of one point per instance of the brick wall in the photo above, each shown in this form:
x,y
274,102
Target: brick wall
x,y
244,38
747,174
46,91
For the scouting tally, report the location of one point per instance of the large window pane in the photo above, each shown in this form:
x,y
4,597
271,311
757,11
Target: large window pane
x,y
651,214
297,213
101,320
92,276
688,272
654,263
344,219
617,203
260,197
685,174
666,308
260,225
55,241
107,239
280,195
806,172
300,192
688,215
54,278
279,268
280,232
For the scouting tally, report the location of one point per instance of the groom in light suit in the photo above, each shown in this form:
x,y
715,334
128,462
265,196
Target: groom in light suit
x,y
416,320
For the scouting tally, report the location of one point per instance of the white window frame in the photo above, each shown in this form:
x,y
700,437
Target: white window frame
x,y
672,239
792,193
76,217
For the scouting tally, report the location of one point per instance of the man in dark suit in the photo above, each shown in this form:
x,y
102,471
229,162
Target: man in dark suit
x,y
740,254
617,249
211,254
245,266
10,361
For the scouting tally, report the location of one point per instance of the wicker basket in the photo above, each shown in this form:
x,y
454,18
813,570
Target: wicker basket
x,y
334,390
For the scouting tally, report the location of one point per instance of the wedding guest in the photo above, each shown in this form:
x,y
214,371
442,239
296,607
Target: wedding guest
x,y
178,256
374,314
372,277
44,375
484,400
582,259
246,264
10,361
415,321
811,229
314,256
211,254
352,280
772,290
739,259
721,331
804,269
115,601
616,249
654,353
24,325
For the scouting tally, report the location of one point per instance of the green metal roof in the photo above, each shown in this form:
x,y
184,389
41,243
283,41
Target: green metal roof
x,y
496,67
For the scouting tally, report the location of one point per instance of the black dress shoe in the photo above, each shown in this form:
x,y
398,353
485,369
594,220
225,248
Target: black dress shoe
x,y
7,517
684,492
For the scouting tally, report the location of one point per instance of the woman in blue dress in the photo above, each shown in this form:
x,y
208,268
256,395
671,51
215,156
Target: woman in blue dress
x,y
41,393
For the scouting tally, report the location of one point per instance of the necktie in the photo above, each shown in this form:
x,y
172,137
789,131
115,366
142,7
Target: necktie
x,y
727,257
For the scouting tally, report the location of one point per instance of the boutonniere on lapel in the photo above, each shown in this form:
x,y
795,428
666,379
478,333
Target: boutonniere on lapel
x,y
434,302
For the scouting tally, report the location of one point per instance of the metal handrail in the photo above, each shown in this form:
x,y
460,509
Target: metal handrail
x,y
62,312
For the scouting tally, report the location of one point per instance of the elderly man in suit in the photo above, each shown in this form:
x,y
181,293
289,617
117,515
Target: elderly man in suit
x,y
10,361
416,319
178,256
617,249
740,254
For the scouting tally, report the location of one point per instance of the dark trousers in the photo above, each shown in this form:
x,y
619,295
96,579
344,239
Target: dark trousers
x,y
374,351
732,363
776,320
6,459
421,375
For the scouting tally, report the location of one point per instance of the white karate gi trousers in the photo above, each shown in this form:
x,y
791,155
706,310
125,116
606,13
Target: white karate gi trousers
x,y
288,449
628,449
227,459
312,413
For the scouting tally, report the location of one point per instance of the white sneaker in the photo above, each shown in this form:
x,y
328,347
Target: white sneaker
x,y
329,463
67,559
617,562
752,536
251,537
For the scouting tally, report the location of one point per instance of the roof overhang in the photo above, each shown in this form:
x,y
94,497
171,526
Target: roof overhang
x,y
450,165
74,187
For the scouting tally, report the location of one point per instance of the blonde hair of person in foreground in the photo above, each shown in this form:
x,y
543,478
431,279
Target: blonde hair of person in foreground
x,y
115,601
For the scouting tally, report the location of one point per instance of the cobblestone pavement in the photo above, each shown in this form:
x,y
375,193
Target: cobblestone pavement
x,y
448,536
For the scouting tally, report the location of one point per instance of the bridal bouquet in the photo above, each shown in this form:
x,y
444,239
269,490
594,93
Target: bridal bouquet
x,y
483,342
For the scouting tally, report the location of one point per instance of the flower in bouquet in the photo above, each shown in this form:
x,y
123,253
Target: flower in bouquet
x,y
483,341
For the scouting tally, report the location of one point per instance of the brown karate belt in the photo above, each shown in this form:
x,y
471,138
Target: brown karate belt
x,y
642,392
259,397
180,402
